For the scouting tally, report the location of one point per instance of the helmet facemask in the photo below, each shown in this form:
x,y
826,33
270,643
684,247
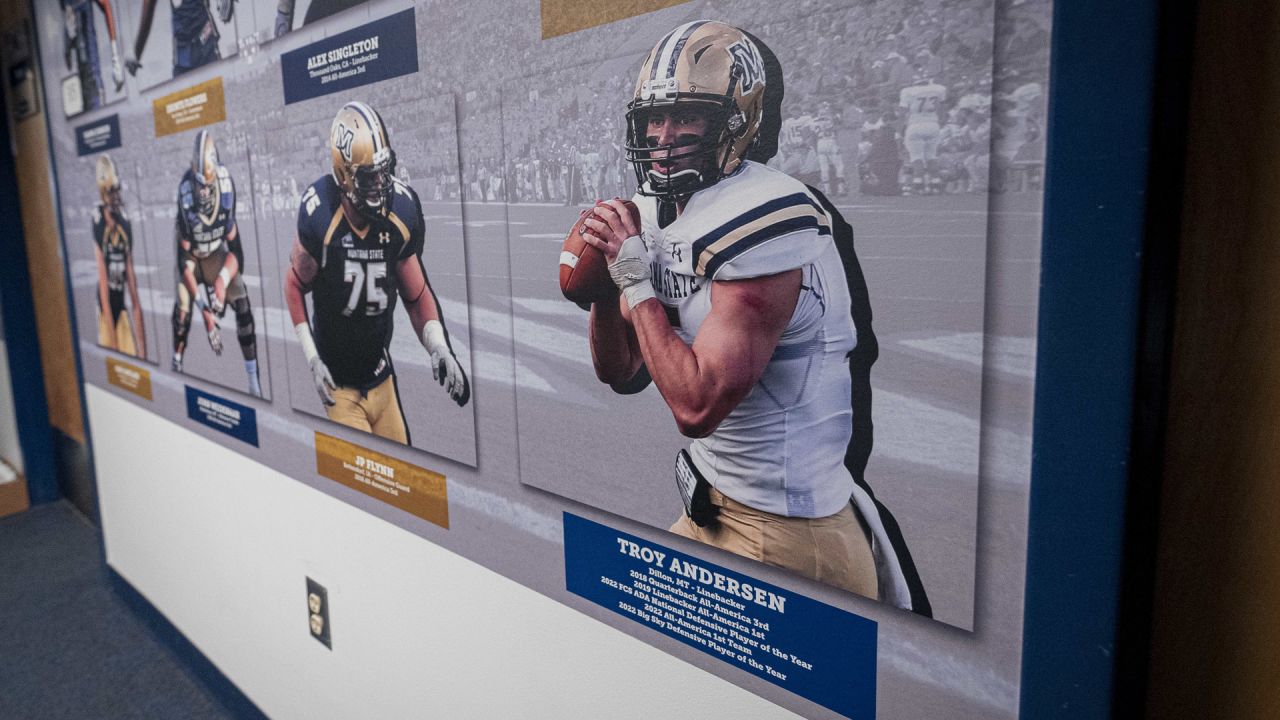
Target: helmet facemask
x,y
372,185
112,199
206,198
699,160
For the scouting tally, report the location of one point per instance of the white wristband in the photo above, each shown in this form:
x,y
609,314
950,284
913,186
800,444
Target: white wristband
x,y
433,336
638,293
303,331
225,276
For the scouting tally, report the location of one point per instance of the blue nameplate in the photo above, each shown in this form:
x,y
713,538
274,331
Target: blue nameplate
x,y
228,416
379,50
816,651
98,136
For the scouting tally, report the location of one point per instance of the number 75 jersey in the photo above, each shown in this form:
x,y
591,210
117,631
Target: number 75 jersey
x,y
353,294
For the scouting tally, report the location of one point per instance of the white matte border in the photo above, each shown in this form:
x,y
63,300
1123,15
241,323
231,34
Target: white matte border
x,y
221,546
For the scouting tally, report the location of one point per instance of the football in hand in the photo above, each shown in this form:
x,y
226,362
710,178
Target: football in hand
x,y
584,274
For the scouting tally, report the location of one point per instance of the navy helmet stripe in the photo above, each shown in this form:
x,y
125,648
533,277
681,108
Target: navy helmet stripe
x,y
751,215
370,119
684,38
657,54
805,222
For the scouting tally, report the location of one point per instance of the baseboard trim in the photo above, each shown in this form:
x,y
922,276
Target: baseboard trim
x,y
220,687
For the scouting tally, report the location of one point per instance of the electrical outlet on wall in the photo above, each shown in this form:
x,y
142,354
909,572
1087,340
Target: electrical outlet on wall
x,y
318,612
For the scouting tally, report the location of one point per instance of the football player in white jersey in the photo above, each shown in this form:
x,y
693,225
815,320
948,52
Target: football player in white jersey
x,y
733,299
922,101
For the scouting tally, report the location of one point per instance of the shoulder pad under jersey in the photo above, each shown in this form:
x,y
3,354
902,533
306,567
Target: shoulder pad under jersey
x,y
760,221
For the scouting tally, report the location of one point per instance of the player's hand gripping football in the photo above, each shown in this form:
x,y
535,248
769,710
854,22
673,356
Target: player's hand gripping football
x,y
319,371
445,368
616,234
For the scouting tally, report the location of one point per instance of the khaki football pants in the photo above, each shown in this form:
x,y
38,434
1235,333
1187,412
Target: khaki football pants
x,y
834,550
376,411
122,339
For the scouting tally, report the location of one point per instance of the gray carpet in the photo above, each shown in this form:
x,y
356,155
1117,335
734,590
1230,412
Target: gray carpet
x,y
71,646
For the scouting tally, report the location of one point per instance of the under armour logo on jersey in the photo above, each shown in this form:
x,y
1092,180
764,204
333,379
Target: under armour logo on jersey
x,y
343,137
747,64
675,252
384,237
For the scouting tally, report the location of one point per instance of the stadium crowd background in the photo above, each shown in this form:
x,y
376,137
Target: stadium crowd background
x,y
556,137
842,124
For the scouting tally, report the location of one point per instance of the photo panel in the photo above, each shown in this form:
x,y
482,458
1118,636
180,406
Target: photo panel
x,y
165,168
266,21
181,35
423,136
886,111
106,241
84,45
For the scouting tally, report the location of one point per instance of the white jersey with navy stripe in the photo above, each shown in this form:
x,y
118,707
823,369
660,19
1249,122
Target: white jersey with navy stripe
x,y
782,448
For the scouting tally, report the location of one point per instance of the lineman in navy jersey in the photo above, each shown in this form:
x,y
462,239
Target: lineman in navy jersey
x,y
113,249
359,247
195,35
211,259
734,300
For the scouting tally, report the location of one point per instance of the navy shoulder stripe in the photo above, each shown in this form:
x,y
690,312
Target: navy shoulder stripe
x,y
777,217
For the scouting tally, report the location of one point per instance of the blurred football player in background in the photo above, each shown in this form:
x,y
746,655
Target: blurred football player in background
x,y
734,300
211,259
195,34
81,45
113,250
922,101
315,11
359,247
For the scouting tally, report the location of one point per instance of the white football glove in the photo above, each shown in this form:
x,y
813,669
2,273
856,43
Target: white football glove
x,y
444,366
215,334
319,371
630,271
284,20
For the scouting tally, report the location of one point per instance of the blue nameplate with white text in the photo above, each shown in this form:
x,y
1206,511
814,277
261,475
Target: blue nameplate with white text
x,y
223,415
98,136
379,50
816,651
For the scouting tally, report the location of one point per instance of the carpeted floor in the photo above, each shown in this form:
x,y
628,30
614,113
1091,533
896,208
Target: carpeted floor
x,y
70,647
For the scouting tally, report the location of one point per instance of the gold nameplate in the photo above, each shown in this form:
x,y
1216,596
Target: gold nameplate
x,y
190,108
565,16
413,489
129,377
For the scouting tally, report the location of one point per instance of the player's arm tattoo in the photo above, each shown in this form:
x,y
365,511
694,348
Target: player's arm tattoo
x,y
302,265
297,281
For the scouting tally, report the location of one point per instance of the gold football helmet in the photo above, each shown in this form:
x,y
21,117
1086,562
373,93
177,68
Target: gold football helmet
x,y
363,161
108,183
706,67
204,170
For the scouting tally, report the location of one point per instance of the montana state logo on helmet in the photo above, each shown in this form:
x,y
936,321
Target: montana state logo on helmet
x,y
363,161
688,69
